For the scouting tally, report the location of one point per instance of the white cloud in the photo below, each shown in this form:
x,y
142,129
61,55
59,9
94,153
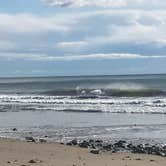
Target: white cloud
x,y
75,44
26,23
119,27
81,3
99,56
134,34
84,32
108,3
25,56
6,45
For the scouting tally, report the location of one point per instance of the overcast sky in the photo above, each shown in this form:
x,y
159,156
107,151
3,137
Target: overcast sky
x,y
82,37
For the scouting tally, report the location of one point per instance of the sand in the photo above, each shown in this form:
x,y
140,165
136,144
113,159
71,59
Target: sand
x,y
19,153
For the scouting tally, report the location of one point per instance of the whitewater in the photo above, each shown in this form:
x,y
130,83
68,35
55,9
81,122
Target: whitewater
x,y
131,107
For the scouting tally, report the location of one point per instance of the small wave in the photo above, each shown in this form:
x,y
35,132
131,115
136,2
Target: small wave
x,y
136,93
79,104
78,110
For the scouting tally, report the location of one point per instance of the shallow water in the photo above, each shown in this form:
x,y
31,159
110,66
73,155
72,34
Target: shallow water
x,y
63,126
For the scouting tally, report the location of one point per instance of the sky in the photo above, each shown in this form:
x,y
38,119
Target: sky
x,y
82,37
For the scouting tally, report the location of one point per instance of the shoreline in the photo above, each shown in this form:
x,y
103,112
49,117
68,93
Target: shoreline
x,y
23,153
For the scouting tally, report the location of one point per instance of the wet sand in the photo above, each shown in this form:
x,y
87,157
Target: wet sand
x,y
19,153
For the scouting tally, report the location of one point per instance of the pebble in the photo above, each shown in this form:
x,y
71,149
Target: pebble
x,y
32,161
14,129
42,140
94,151
119,146
30,139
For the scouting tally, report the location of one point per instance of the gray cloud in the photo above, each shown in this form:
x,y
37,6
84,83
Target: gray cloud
x,y
118,31
108,3
28,23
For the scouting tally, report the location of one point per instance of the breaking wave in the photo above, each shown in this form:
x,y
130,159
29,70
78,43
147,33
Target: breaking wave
x,y
120,94
94,93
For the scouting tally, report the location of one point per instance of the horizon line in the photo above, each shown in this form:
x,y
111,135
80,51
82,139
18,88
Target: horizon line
x,y
90,75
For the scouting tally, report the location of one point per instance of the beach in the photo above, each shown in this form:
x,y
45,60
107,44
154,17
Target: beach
x,y
121,118
83,83
21,153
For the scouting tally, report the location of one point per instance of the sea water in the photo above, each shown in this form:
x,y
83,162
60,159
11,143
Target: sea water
x,y
62,108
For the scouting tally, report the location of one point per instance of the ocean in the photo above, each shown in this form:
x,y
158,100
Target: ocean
x,y
129,107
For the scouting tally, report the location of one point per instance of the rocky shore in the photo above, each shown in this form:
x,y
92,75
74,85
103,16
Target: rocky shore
x,y
78,153
98,146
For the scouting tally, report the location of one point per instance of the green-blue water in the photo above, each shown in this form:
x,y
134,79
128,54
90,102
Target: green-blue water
x,y
63,108
129,85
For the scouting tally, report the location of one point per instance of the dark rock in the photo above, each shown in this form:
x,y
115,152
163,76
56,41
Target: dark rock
x,y
92,146
107,147
91,141
95,151
114,151
74,142
32,161
137,149
69,143
120,144
140,149
42,140
157,101
99,141
148,150
130,146
164,147
123,142
84,144
14,129
155,150
99,145
30,139
140,146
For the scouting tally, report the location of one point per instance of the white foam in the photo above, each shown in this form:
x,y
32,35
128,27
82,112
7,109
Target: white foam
x,y
114,104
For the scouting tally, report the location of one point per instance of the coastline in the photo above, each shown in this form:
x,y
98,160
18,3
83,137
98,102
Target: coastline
x,y
22,153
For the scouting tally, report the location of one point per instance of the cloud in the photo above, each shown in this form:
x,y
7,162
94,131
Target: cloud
x,y
99,56
81,3
23,56
72,44
108,3
6,45
118,29
26,23
84,33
